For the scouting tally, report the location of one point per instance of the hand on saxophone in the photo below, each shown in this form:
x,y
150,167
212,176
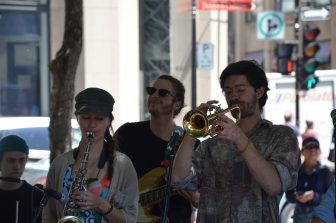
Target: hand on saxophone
x,y
87,200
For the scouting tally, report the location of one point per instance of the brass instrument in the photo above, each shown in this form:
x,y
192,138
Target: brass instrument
x,y
197,124
71,209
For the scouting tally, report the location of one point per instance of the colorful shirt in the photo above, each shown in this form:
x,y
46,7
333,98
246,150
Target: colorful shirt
x,y
228,192
100,188
123,192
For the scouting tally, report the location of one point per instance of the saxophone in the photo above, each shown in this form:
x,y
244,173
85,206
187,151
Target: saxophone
x,y
71,209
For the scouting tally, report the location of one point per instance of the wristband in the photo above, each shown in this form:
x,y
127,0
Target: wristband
x,y
109,210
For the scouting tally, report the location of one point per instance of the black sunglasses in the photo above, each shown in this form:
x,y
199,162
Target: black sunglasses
x,y
161,92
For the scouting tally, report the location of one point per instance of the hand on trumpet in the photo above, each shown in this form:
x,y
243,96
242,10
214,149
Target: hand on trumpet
x,y
232,132
208,106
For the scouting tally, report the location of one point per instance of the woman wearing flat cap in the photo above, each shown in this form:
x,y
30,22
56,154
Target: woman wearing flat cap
x,y
111,181
19,201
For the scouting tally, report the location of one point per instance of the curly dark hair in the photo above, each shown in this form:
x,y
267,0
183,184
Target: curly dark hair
x,y
252,71
178,88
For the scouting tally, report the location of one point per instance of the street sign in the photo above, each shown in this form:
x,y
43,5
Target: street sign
x,y
314,14
270,25
205,54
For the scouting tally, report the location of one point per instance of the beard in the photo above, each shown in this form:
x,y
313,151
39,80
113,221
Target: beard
x,y
158,110
246,109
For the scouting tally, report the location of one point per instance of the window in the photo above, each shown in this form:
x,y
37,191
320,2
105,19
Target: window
x,y
23,58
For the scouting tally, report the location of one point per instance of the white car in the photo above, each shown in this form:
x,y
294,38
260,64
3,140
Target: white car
x,y
34,130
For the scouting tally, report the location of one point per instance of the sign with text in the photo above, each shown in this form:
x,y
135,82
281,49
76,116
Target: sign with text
x,y
228,5
205,56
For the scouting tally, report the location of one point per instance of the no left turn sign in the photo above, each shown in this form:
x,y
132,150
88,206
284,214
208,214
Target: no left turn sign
x,y
270,25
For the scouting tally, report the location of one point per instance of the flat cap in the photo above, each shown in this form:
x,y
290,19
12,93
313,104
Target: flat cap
x,y
94,100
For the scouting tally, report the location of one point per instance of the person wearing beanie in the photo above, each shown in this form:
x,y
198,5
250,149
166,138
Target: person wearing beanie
x,y
19,200
110,181
313,182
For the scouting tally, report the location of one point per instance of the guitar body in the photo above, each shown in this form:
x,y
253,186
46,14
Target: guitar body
x,y
148,187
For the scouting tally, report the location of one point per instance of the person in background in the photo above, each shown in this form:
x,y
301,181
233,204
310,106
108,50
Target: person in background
x,y
313,182
240,172
109,176
146,142
325,212
289,122
309,131
19,201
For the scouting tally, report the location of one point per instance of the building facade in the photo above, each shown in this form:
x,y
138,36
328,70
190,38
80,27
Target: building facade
x,y
127,44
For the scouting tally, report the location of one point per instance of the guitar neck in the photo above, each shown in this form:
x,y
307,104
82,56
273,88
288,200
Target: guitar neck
x,y
155,195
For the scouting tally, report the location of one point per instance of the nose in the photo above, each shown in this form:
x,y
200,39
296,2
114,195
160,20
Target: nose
x,y
92,123
17,165
234,96
155,94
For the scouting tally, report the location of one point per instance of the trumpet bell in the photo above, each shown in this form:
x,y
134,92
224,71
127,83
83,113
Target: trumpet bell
x,y
196,124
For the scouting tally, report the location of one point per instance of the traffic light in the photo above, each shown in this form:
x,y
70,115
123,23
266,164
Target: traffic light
x,y
285,64
310,63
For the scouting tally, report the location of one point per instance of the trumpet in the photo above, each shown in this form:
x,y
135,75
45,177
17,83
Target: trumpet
x,y
197,124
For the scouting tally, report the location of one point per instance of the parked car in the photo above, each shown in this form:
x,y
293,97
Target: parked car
x,y
35,131
36,173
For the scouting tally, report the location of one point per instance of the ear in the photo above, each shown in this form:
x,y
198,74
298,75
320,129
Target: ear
x,y
260,92
177,105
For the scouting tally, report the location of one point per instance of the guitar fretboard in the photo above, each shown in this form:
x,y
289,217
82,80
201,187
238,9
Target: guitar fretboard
x,y
153,196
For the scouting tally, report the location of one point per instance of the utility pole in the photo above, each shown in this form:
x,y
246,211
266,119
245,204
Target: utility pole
x,y
193,56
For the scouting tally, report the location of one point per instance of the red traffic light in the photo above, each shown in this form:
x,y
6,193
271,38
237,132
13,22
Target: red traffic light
x,y
310,34
285,66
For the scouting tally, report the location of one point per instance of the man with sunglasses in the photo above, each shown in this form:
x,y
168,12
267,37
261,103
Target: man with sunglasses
x,y
240,172
313,181
146,142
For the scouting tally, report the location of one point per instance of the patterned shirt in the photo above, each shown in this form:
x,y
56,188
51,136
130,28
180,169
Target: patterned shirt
x,y
99,188
229,193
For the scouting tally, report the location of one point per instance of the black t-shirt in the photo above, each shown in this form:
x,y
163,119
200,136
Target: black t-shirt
x,y
27,198
147,153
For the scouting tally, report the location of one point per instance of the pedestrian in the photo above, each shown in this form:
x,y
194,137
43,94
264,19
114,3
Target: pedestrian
x,y
289,122
20,201
241,171
313,181
145,142
309,131
99,182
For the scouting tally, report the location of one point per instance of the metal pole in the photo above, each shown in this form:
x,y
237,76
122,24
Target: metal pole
x,y
298,67
193,56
